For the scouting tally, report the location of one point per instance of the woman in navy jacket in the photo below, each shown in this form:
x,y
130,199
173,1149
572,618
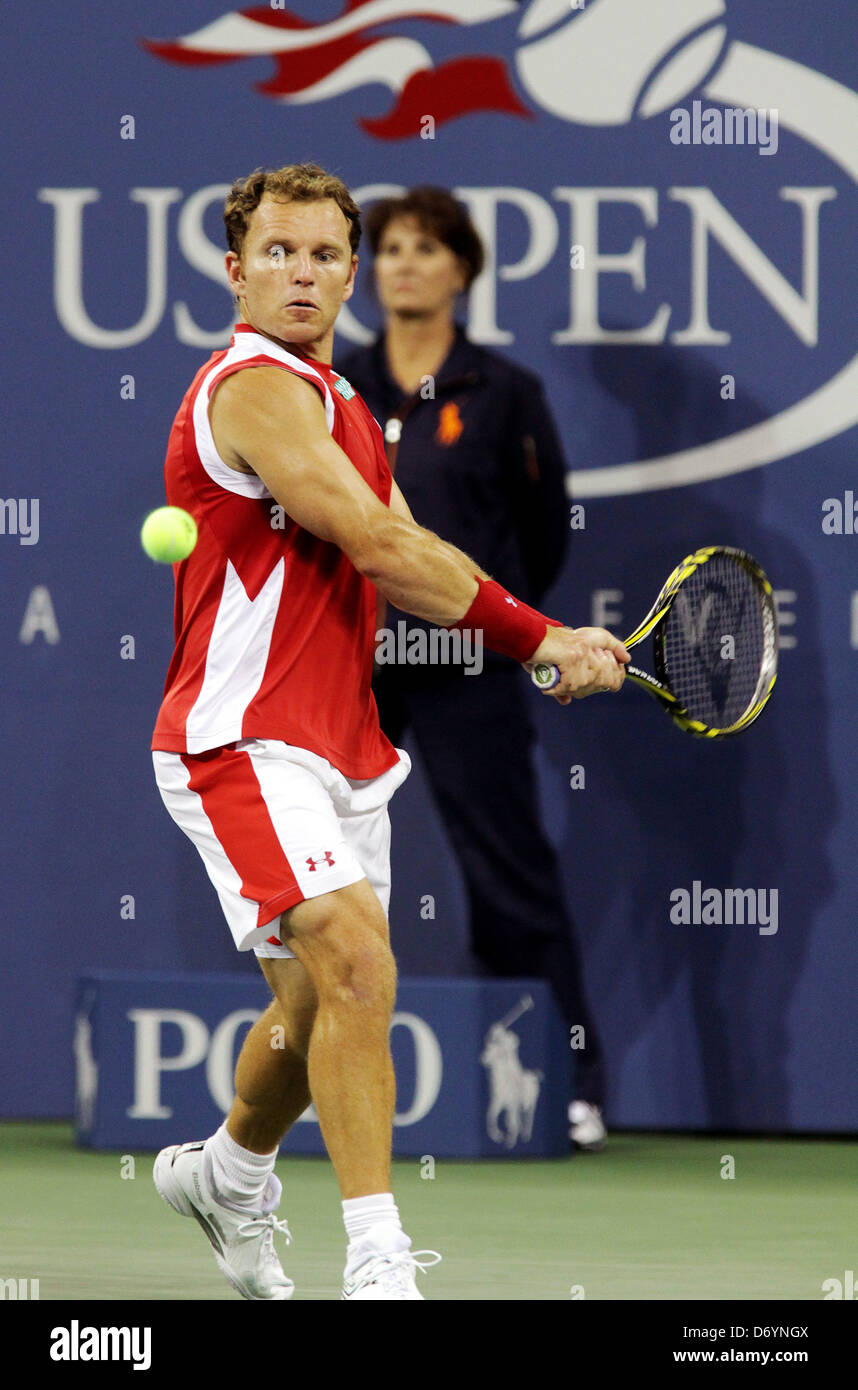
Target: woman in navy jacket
x,y
475,452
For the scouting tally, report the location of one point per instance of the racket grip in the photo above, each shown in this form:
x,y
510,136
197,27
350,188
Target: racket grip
x,y
545,677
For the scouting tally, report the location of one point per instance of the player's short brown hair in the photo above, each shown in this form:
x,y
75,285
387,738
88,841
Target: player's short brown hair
x,y
300,183
438,213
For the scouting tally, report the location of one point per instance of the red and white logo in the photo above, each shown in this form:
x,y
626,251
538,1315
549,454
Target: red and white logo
x,y
318,61
312,864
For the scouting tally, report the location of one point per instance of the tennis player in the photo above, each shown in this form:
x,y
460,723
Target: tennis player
x,y
267,748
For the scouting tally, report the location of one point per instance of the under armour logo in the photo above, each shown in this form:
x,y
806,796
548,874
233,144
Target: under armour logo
x,y
311,862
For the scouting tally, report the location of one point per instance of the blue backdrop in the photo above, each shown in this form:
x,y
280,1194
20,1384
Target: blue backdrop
x,y
699,351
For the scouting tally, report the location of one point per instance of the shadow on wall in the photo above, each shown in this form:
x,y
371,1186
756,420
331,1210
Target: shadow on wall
x,y
709,1003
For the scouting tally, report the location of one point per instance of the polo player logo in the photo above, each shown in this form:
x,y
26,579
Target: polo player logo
x,y
513,1090
327,858
450,424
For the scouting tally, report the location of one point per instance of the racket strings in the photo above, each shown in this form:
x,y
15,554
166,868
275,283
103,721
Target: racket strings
x,y
714,642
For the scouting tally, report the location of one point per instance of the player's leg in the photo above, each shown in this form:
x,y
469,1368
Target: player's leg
x,y
341,941
327,1035
227,1182
271,1086
379,1261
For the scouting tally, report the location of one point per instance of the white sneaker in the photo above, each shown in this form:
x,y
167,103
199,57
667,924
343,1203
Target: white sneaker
x,y
381,1266
243,1240
586,1126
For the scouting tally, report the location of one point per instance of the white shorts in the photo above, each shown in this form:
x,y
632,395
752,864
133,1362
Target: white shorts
x,y
274,825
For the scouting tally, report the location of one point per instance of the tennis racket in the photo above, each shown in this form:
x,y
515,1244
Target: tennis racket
x,y
715,644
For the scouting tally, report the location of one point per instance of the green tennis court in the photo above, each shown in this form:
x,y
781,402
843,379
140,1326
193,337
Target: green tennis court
x,y
649,1218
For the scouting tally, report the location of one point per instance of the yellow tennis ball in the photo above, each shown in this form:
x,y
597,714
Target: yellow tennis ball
x,y
168,534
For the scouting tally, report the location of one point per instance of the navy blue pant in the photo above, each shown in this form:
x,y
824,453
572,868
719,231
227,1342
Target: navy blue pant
x,y
476,741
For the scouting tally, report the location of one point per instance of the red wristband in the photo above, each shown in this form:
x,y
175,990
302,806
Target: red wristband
x,y
507,625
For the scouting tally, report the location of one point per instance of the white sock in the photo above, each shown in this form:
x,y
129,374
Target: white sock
x,y
361,1213
239,1175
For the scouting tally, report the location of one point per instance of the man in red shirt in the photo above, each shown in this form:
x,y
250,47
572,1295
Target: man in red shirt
x,y
267,748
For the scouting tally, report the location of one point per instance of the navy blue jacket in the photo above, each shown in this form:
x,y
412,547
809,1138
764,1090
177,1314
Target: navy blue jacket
x,y
481,463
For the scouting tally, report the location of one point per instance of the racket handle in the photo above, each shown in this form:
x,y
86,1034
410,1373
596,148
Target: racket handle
x,y
545,677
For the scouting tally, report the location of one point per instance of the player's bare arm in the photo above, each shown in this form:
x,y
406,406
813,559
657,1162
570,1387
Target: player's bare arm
x,y
271,423
555,650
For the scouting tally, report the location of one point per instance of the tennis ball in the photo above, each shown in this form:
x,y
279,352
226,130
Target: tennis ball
x,y
168,534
